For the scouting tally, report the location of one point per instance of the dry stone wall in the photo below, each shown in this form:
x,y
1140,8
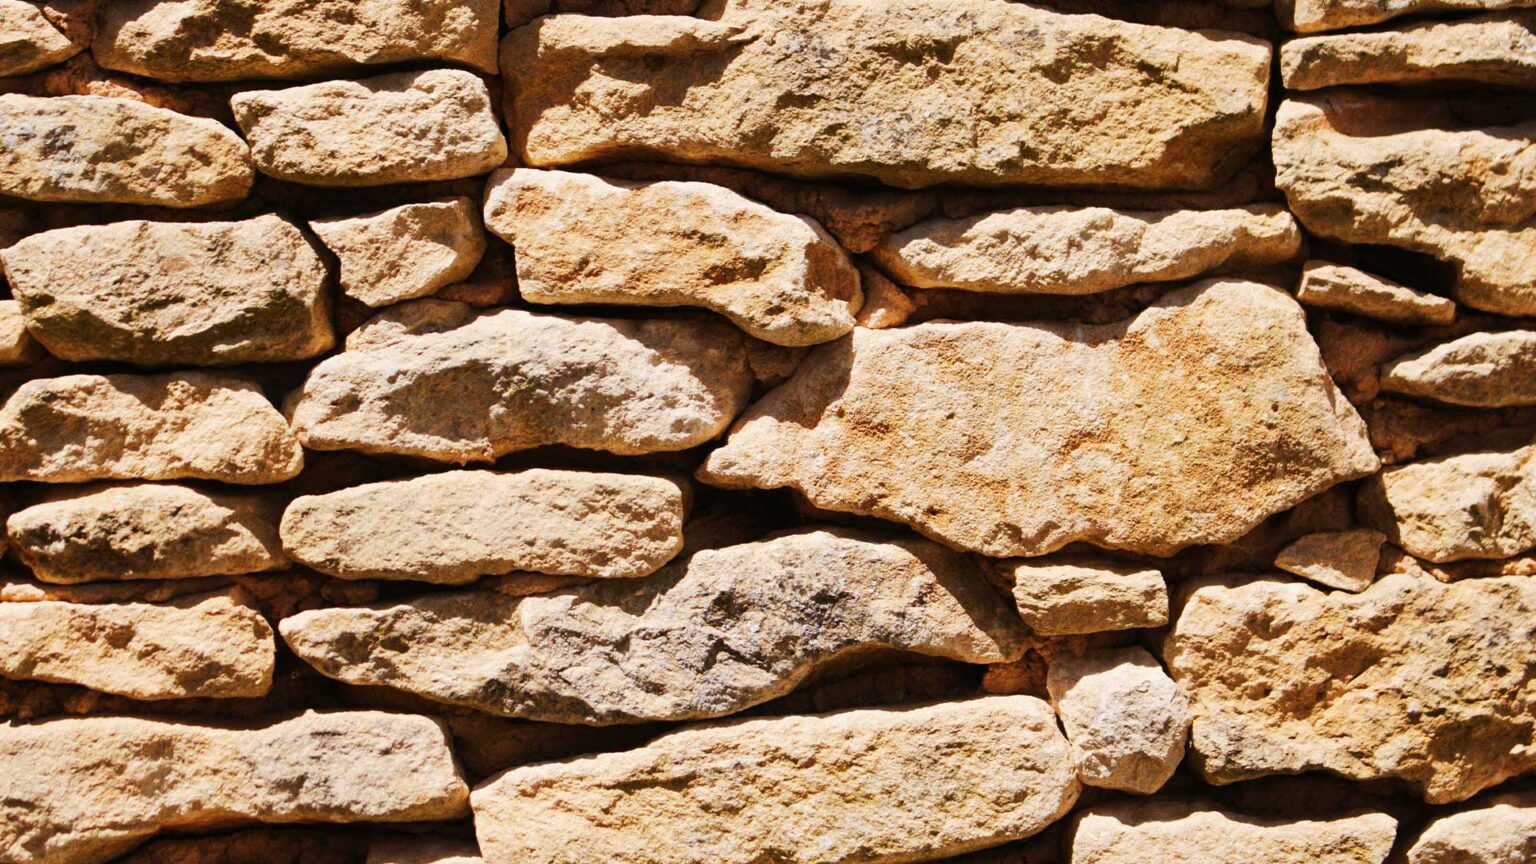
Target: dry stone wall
x,y
792,431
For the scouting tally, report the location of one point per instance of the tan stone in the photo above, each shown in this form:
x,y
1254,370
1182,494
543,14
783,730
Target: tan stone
x,y
1470,505
290,845
27,41
210,646
395,128
83,790
728,629
1497,49
405,252
1502,832
424,850
164,293
1311,16
1084,250
1192,832
587,239
231,40
908,92
1067,598
1481,370
17,347
1345,560
853,786
98,149
444,381
1125,719
194,425
1009,439
1345,289
145,531
1411,679
885,304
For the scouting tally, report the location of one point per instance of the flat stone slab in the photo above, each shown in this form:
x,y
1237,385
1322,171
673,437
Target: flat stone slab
x,y
1192,832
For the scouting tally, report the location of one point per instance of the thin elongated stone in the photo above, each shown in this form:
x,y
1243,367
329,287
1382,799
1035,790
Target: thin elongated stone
x,y
1067,598
27,41
1345,289
1503,832
1481,370
1487,49
1194,832
1311,16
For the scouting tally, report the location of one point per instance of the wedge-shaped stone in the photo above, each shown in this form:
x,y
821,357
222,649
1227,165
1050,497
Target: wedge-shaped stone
x,y
1072,250
405,252
586,239
193,425
1504,832
83,790
1471,505
230,40
1483,370
1126,720
1345,560
1345,289
161,293
98,149
1311,16
457,526
146,531
1411,679
823,89
396,128
17,347
1190,832
1066,598
728,629
1488,49
443,381
1188,424
873,785
27,41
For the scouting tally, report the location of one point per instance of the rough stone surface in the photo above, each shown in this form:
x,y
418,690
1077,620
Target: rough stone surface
x,y
446,382
162,293
1126,720
1481,370
1503,832
1006,439
587,239
1411,679
853,786
1189,832
1345,560
1068,598
404,252
394,128
27,41
1489,49
728,629
1345,289
911,93
98,149
1073,250
1470,505
1311,16
17,347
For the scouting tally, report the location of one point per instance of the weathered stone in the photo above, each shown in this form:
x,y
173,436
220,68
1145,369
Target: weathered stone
x,y
1470,505
457,526
145,531
885,304
1345,560
1503,832
395,128
424,850
1067,598
17,347
911,93
1126,720
1190,832
1311,16
1076,250
27,41
196,425
444,381
728,629
1411,679
587,239
1345,289
1489,49
230,40
161,293
1482,370
1006,439
289,845
211,646
97,149
83,790
405,252
873,785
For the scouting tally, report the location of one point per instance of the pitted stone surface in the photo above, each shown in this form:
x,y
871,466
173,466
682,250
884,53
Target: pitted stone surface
x,y
1452,508
27,41
404,252
1497,49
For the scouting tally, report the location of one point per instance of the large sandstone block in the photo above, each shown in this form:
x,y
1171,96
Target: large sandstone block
x,y
1470,505
871,786
1488,49
1126,720
404,252
910,92
27,41
1188,424
1482,370
173,293
99,149
443,381
1190,832
728,629
1411,679
1503,832
586,239
83,790
1310,16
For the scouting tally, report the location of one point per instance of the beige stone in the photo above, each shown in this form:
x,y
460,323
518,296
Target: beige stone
x,y
145,531
192,425
231,40
1345,560
1189,424
874,785
1469,505
1125,719
1411,679
17,347
587,239
1084,250
885,304
1481,370
1345,289
1497,49
1311,16
1502,832
99,149
908,92
395,128
424,850
171,293
444,381
27,41
83,790
1193,832
1067,598
728,629
404,252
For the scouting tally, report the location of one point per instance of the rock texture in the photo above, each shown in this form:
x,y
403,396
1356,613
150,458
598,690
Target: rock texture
x,y
1345,560
1126,720
1495,49
1067,598
586,239
424,850
1471,505
27,41
1482,370
17,347
1504,832
1346,289
1310,16
404,252
1189,832
859,785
